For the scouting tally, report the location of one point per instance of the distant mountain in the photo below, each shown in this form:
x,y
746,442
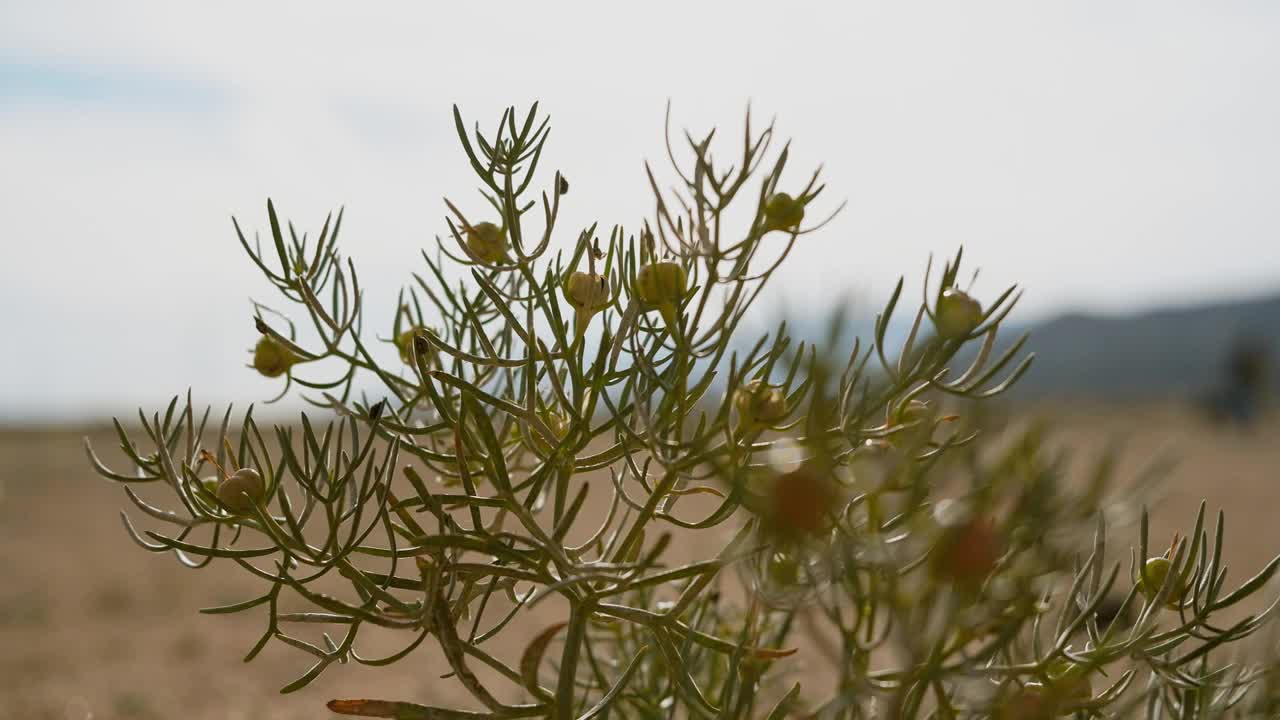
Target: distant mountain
x,y
1163,353
1171,353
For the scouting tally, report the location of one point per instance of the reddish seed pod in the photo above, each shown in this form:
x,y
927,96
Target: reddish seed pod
x,y
967,553
801,501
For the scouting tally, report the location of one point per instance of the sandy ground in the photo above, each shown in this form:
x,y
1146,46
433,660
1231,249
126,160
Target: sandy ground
x,y
92,627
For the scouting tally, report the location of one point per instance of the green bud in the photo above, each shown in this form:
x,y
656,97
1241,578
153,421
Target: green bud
x,y
588,293
404,343
242,490
488,242
1154,573
957,314
273,358
660,286
759,405
782,212
782,569
210,484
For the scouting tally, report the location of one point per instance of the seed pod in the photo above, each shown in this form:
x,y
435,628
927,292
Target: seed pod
x,y
800,502
273,358
967,553
404,344
242,490
957,314
1154,573
782,212
488,242
588,293
661,286
759,405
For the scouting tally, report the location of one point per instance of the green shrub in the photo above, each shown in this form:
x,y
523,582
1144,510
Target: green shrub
x,y
927,571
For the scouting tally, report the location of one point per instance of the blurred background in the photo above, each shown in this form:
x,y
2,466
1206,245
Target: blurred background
x,y
1118,161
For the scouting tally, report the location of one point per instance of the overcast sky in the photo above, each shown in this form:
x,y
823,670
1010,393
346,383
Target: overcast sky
x,y
1106,155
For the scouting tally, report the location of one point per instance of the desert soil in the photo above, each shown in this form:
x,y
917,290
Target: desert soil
x,y
93,627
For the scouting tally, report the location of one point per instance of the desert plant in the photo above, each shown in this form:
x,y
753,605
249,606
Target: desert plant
x,y
920,571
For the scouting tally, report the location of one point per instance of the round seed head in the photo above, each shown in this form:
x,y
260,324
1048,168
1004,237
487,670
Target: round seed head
x,y
759,404
273,358
242,490
957,314
783,212
488,242
661,283
587,291
1154,573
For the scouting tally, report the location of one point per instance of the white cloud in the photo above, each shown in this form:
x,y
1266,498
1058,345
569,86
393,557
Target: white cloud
x,y
1100,155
